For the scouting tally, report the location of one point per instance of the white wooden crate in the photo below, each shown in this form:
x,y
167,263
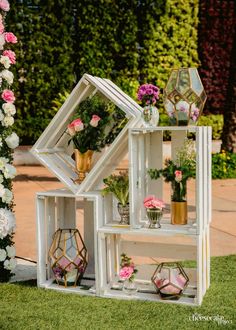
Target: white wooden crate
x,y
149,251
146,151
52,148
59,209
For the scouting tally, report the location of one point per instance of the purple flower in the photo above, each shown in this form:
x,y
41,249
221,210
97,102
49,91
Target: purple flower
x,y
148,94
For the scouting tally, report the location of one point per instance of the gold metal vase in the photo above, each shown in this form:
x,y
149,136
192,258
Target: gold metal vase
x,y
83,163
179,213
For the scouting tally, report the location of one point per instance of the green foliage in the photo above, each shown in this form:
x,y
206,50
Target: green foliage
x,y
119,186
223,165
168,39
107,41
44,65
216,122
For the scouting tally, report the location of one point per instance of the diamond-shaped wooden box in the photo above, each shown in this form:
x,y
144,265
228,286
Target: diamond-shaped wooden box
x,y
52,148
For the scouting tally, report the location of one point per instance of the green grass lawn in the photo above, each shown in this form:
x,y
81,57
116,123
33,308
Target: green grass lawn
x,y
24,306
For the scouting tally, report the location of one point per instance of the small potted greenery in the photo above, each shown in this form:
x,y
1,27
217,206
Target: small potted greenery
x,y
118,185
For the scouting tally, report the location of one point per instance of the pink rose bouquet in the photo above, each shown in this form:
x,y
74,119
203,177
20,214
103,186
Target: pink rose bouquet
x,y
151,202
127,271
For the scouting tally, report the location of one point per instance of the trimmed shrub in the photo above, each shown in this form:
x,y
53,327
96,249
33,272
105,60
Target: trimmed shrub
x,y
223,165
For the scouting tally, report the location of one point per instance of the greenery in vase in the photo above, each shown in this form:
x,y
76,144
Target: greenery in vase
x,y
178,171
96,123
119,186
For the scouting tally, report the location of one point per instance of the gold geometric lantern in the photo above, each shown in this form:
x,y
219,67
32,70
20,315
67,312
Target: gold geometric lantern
x,y
68,257
170,280
184,97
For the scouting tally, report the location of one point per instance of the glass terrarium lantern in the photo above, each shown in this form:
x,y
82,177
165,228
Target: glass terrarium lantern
x,y
170,280
68,257
184,97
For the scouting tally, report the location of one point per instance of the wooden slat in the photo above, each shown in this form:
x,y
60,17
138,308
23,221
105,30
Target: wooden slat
x,y
41,247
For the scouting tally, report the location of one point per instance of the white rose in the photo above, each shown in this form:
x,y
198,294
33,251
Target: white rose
x,y
7,196
10,264
7,222
9,171
9,108
1,178
11,251
12,140
4,60
1,115
8,121
8,76
3,162
2,42
3,254
2,190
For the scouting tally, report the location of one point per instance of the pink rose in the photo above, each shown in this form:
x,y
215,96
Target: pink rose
x,y
169,289
4,5
78,125
8,96
1,27
10,37
11,55
178,176
71,129
126,272
94,121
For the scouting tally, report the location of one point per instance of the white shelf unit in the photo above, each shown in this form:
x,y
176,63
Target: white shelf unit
x,y
186,242
146,151
62,209
151,248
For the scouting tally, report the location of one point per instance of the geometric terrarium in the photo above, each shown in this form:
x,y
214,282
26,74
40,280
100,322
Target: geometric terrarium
x,y
68,257
170,280
184,97
55,152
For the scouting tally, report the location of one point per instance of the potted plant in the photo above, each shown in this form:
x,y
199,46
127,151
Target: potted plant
x,y
154,208
177,172
94,125
118,185
127,274
148,95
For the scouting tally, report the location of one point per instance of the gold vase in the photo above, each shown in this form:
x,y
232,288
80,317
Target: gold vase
x,y
179,213
83,163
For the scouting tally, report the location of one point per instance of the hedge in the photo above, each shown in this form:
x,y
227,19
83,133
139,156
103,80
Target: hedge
x,y
129,42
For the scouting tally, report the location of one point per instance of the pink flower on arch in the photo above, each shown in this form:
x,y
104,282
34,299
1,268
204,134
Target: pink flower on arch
x,y
94,121
4,5
10,37
8,96
11,55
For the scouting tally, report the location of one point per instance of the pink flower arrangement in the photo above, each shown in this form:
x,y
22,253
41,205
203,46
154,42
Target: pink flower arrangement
x,y
178,176
94,121
148,94
4,5
151,202
174,287
194,113
127,270
8,96
10,37
11,55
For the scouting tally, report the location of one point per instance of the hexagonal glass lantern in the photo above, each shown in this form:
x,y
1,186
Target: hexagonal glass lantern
x,y
184,97
170,280
68,257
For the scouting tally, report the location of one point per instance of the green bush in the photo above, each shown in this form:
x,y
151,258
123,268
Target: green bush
x,y
216,122
223,165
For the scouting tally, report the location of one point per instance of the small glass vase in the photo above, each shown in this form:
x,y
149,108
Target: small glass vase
x,y
154,218
129,287
150,116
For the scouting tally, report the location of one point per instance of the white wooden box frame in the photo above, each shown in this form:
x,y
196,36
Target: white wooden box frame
x,y
110,247
146,151
52,148
57,209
